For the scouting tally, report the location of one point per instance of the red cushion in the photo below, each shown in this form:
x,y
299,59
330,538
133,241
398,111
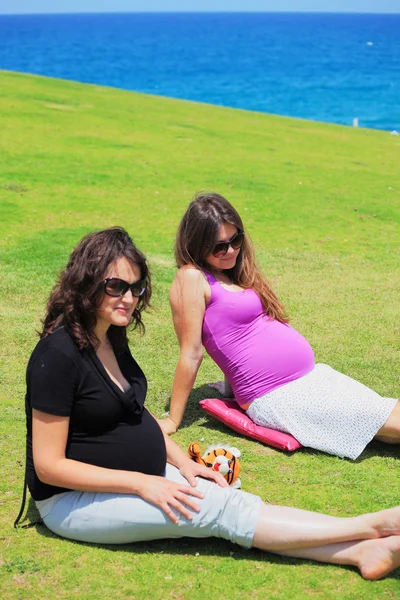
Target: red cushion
x,y
228,412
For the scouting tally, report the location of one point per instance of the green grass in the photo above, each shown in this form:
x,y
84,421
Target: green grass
x,y
321,203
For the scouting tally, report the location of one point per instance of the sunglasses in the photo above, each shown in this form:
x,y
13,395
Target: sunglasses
x,y
221,248
115,287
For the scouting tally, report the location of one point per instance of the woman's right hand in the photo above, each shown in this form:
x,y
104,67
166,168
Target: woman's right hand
x,y
167,425
171,497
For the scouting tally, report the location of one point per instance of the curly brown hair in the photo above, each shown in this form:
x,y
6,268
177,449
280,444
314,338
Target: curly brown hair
x,y
77,294
197,236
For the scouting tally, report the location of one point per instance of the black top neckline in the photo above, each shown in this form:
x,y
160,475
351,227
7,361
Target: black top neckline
x,y
133,399
103,372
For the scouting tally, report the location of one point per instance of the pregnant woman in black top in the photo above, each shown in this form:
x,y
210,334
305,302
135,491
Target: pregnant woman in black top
x,y
99,467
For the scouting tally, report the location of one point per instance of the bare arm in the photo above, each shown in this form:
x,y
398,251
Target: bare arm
x,y
188,305
49,435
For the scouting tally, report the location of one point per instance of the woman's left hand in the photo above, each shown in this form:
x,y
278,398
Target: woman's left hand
x,y
190,470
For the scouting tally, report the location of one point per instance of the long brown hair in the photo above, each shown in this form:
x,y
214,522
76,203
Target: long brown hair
x,y
75,297
197,235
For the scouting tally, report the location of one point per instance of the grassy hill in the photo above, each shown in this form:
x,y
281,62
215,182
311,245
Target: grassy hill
x,y
321,203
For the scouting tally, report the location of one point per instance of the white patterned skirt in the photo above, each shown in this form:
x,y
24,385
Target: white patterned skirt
x,y
325,410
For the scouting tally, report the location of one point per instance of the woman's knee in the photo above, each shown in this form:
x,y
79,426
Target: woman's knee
x,y
390,431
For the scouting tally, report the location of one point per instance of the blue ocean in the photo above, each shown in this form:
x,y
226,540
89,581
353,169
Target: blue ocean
x,y
324,67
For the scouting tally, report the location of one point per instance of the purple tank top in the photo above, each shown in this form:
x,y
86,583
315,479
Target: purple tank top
x,y
256,353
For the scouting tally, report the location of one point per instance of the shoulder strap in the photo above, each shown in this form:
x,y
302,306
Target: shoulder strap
x,y
209,276
23,502
21,510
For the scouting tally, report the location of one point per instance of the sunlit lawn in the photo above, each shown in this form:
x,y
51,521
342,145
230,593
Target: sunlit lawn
x,y
321,204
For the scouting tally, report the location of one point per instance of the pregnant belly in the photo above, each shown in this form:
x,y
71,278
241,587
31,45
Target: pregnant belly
x,y
263,362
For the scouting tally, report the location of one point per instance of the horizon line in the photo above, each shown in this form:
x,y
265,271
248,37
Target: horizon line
x,y
213,12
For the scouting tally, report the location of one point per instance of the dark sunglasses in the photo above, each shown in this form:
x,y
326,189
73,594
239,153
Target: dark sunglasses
x,y
222,248
115,287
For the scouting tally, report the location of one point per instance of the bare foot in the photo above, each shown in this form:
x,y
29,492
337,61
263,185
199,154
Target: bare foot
x,y
377,558
386,522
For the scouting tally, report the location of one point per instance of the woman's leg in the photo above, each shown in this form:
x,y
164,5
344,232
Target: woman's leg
x,y
390,432
281,528
369,542
374,558
230,514
106,518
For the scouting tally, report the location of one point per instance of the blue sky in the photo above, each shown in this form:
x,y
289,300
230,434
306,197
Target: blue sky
x,y
61,6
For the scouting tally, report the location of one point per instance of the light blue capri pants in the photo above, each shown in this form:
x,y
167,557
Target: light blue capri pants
x,y
105,518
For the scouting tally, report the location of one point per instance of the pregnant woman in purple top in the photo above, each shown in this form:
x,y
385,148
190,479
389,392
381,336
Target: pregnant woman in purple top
x,y
221,301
